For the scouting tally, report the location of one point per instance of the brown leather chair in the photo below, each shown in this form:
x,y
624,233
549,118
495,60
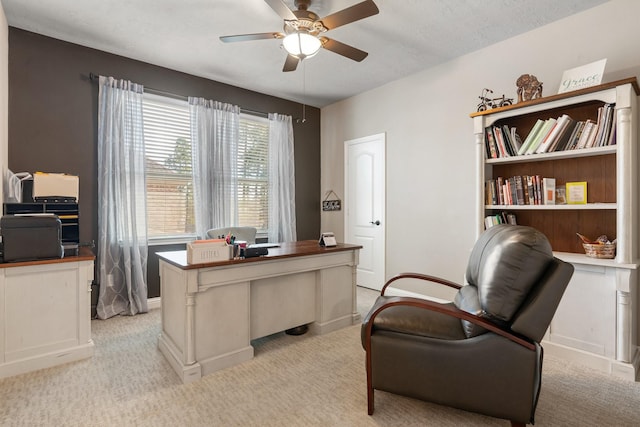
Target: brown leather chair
x,y
481,352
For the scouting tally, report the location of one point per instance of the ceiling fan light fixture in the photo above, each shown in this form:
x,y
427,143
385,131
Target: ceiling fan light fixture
x,y
301,44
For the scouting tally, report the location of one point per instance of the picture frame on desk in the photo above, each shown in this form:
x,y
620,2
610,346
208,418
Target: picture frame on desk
x,y
576,193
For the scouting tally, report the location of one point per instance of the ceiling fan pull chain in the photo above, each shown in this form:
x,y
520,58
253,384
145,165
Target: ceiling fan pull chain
x,y
304,91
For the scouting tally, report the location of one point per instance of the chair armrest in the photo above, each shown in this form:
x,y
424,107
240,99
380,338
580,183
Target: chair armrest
x,y
448,310
419,276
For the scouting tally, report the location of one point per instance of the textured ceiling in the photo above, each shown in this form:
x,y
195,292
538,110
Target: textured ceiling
x,y
407,36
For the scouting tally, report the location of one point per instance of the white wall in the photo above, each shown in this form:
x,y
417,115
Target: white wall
x,y
4,95
430,146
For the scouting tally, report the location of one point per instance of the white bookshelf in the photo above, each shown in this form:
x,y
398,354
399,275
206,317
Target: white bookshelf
x,y
597,320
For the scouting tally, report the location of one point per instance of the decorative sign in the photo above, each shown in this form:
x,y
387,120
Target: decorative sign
x,y
331,205
327,239
582,77
576,193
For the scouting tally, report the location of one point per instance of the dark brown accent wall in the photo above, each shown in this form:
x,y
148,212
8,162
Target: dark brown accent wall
x,y
53,120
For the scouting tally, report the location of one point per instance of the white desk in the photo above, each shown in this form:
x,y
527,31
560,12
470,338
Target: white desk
x,y
211,312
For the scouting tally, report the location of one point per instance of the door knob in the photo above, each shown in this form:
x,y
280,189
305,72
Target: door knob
x,y
376,222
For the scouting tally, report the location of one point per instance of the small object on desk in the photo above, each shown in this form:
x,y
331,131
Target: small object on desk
x,y
250,252
264,245
204,251
327,239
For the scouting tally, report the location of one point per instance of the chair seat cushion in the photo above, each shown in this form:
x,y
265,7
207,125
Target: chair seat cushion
x,y
418,321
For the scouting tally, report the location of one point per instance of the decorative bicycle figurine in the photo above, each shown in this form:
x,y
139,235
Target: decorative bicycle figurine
x,y
486,103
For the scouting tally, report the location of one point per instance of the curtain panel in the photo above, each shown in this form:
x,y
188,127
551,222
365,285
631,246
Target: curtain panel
x,y
282,185
215,130
122,234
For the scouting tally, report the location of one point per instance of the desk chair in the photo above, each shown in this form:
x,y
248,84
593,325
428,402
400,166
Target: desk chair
x,y
248,234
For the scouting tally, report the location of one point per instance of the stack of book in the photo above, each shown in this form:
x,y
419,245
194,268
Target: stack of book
x,y
553,134
501,141
520,190
501,218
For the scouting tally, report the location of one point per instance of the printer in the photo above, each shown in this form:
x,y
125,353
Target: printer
x,y
31,237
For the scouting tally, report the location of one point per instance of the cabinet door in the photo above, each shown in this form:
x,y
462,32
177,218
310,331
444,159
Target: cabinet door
x,y
42,309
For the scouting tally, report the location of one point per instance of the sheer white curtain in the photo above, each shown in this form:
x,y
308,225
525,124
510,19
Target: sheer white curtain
x,y
122,224
214,139
282,185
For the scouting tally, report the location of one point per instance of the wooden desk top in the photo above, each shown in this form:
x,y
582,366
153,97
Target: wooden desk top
x,y
285,250
85,254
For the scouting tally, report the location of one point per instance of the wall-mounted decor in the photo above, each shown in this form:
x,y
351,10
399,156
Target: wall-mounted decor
x,y
331,205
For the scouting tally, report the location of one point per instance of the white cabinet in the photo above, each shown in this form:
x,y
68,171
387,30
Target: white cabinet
x,y
597,320
45,317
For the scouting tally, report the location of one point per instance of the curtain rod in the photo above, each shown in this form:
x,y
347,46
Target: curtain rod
x,y
95,77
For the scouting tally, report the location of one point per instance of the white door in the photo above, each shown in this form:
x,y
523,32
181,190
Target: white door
x,y
364,207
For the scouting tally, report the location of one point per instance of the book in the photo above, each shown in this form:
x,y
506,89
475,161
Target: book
x,y
531,191
527,141
506,136
553,135
564,139
519,190
537,189
612,132
585,135
549,191
492,151
515,138
604,131
575,137
544,131
497,136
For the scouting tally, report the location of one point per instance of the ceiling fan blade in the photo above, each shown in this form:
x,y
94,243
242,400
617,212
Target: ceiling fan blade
x,y
351,14
248,37
281,9
291,63
343,49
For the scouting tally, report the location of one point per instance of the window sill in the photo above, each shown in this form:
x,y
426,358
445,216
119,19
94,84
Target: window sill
x,y
171,240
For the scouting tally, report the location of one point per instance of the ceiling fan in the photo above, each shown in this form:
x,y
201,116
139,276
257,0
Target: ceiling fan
x,y
303,31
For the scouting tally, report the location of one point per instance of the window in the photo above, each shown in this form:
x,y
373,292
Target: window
x,y
170,202
253,173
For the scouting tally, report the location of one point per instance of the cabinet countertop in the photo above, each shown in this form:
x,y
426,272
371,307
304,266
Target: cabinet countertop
x,y
85,254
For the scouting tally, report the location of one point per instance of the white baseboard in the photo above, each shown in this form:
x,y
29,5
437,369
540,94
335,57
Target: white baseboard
x,y
153,303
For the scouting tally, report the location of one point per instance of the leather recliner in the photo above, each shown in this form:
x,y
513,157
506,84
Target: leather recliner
x,y
480,352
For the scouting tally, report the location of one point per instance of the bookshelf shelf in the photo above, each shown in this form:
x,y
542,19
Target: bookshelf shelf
x,y
588,206
597,322
545,157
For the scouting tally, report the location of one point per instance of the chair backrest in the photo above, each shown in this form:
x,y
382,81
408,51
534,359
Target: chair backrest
x,y
513,280
247,234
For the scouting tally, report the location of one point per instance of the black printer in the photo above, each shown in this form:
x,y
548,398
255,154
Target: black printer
x,y
31,237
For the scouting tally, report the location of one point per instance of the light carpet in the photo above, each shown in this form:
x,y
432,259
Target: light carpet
x,y
292,381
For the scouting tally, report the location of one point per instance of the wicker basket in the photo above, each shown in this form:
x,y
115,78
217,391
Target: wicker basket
x,y
600,251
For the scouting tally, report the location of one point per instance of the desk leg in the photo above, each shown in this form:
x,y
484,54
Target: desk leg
x,y
190,332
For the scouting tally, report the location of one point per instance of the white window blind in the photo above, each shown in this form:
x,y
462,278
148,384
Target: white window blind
x,y
253,173
169,178
169,175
